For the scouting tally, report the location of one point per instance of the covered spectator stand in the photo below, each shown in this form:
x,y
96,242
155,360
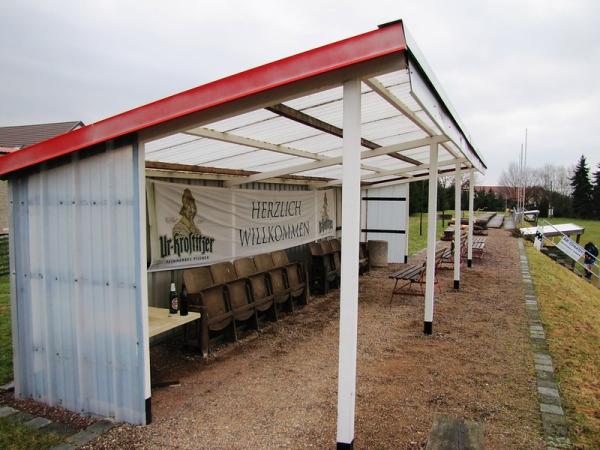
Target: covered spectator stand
x,y
361,113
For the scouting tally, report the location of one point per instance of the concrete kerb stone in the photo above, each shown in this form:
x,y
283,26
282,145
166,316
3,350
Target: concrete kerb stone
x,y
37,422
73,439
82,437
101,427
553,418
21,417
64,446
6,411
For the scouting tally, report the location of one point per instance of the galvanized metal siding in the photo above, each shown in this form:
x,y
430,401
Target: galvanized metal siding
x,y
79,330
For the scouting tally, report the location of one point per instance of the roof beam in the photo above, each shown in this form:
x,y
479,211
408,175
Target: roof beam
x,y
209,133
389,97
338,159
207,172
421,177
254,143
404,170
181,175
305,119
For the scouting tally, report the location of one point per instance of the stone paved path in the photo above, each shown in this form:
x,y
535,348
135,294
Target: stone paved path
x,y
553,416
496,221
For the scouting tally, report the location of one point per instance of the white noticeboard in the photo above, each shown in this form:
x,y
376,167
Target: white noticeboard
x,y
383,217
571,248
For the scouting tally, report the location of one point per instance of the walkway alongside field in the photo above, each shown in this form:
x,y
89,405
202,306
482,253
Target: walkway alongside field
x,y
570,310
279,389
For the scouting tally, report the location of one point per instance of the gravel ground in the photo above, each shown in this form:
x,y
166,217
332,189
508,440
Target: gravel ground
x,y
278,389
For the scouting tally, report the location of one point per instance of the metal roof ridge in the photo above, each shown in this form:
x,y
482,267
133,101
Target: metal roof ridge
x,y
304,65
420,59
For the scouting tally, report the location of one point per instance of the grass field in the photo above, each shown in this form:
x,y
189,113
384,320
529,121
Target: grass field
x,y
570,310
592,233
15,436
5,332
592,228
418,242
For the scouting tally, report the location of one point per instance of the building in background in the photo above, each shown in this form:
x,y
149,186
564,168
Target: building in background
x,y
17,137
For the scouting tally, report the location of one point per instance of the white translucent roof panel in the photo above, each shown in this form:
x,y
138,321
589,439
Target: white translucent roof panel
x,y
277,130
320,143
173,141
334,172
381,123
200,151
242,120
248,161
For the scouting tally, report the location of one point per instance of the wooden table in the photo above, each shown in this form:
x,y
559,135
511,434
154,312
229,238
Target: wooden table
x,y
160,321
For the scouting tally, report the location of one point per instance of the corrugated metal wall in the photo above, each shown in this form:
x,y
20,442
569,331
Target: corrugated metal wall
x,y
77,304
159,282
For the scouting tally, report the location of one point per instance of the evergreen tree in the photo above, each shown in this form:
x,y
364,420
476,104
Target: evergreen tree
x,y
582,190
596,194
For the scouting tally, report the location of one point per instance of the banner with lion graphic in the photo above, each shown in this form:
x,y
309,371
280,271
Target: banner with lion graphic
x,y
192,226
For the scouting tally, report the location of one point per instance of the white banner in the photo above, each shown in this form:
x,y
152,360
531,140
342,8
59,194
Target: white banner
x,y
571,248
197,225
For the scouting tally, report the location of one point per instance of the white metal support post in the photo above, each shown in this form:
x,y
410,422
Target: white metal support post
x,y
406,223
431,232
471,217
457,225
349,272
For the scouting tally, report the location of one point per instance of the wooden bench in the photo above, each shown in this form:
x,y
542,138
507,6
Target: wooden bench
x,y
446,257
478,249
410,275
414,274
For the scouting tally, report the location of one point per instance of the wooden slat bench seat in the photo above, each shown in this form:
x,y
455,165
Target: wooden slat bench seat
x,y
407,276
414,274
478,249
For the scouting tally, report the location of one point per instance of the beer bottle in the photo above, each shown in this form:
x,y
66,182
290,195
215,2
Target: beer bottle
x,y
183,301
173,300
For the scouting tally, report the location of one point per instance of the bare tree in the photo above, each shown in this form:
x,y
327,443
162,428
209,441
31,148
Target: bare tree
x,y
562,183
512,179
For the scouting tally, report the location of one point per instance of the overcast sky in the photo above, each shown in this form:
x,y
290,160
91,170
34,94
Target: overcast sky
x,y
505,65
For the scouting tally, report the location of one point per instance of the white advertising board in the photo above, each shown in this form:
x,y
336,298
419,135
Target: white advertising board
x,y
571,248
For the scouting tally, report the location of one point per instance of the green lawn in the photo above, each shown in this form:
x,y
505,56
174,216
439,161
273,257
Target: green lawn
x,y
15,436
592,228
570,311
5,332
591,233
418,242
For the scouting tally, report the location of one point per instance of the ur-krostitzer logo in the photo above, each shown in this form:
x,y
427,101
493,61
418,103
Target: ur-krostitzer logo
x,y
186,237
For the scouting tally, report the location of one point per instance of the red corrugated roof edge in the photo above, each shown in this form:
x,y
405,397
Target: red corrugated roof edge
x,y
377,43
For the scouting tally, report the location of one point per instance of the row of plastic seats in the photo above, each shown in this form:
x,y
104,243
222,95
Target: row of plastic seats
x,y
239,294
326,264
